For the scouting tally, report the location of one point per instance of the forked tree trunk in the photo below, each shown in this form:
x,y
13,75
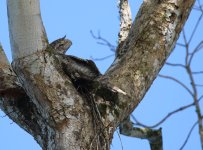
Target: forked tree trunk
x,y
52,109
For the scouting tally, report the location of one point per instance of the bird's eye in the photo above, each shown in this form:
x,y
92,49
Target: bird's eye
x,y
60,45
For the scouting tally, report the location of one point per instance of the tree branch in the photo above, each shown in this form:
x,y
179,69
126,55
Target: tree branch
x,y
27,33
15,103
125,23
179,82
153,136
188,136
103,41
8,78
150,41
188,60
166,117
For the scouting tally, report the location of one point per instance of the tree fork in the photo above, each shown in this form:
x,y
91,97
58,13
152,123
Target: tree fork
x,y
64,119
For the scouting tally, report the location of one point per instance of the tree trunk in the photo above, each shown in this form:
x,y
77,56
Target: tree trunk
x,y
62,115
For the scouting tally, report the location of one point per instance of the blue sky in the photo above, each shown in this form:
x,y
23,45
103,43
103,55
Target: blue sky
x,y
75,19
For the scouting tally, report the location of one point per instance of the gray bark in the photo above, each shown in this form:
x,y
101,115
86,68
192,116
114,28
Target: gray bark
x,y
49,105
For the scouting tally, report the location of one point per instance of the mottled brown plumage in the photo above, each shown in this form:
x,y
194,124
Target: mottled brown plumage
x,y
80,68
76,68
61,45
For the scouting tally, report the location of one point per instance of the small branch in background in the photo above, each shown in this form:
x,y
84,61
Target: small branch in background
x,y
153,136
177,81
197,72
180,44
175,65
196,8
188,136
199,85
125,24
120,139
166,117
197,23
103,41
197,49
103,58
188,61
196,26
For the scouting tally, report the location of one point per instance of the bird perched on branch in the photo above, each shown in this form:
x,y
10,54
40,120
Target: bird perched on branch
x,y
61,45
80,68
76,68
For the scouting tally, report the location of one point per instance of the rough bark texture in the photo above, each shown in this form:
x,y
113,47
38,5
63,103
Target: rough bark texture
x,y
62,117
125,23
152,38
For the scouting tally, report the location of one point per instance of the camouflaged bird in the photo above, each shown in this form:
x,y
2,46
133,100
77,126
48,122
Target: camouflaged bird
x,y
78,68
61,45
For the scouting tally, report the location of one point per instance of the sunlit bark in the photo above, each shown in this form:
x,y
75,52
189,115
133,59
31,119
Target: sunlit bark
x,y
60,117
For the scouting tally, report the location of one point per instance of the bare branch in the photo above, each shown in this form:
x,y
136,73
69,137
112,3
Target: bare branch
x,y
27,33
180,44
197,49
125,20
103,58
200,97
197,23
188,136
14,102
153,136
145,51
120,140
166,117
188,60
175,65
177,81
197,72
103,41
196,26
125,24
8,78
199,85
197,106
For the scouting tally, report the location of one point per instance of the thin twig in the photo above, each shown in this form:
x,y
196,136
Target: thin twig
x,y
188,136
197,48
165,118
186,47
120,139
103,58
177,81
196,26
180,44
175,65
197,106
199,85
197,72
200,98
103,41
188,60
